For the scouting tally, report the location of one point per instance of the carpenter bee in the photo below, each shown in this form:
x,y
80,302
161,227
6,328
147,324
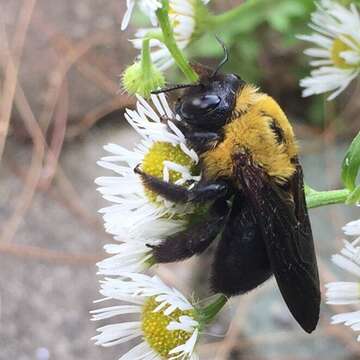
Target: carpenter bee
x,y
253,182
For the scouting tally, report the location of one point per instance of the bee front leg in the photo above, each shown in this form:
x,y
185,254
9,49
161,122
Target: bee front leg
x,y
203,141
200,141
202,192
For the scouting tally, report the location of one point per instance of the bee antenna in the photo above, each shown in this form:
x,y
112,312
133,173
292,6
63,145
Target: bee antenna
x,y
224,60
174,87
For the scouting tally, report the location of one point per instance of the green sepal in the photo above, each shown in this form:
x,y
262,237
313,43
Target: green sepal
x,y
354,197
151,261
308,190
351,164
208,313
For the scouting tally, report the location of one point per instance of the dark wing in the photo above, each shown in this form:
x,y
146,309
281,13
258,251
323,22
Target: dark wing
x,y
298,193
286,230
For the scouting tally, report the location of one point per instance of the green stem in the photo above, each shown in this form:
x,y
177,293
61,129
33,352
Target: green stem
x,y
146,58
169,41
208,313
240,11
321,198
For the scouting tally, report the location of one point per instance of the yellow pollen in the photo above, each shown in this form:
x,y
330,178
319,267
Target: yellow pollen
x,y
153,162
338,47
154,324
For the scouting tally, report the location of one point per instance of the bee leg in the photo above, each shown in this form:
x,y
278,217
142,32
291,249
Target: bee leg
x,y
199,141
203,141
194,240
202,192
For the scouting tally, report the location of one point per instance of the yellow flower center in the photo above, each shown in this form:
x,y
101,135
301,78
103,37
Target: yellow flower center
x,y
154,324
338,47
153,163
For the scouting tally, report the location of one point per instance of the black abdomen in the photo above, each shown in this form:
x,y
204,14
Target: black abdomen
x,y
241,262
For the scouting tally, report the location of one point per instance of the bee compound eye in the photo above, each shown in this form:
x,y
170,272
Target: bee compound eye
x,y
206,102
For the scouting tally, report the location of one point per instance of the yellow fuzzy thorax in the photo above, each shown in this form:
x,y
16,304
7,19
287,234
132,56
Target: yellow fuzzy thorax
x,y
250,131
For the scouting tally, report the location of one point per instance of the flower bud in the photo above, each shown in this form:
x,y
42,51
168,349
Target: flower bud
x,y
136,80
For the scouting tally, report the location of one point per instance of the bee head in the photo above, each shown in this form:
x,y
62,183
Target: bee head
x,y
209,104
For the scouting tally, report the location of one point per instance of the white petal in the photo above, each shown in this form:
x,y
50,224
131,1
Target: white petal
x,y
332,21
139,352
126,19
185,349
343,293
352,228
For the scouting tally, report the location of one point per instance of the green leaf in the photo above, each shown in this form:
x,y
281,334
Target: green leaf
x,y
281,15
349,2
351,164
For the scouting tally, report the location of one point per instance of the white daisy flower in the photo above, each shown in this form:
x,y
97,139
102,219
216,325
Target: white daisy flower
x,y
167,322
336,50
183,17
139,216
345,293
148,7
162,152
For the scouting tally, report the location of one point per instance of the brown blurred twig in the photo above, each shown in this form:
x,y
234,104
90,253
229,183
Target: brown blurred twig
x,y
32,179
59,257
58,135
71,199
238,321
33,175
63,192
93,73
96,114
70,54
11,61
66,46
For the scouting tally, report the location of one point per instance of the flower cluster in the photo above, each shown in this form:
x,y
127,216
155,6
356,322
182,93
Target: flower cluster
x,y
336,51
347,293
183,15
184,18
167,322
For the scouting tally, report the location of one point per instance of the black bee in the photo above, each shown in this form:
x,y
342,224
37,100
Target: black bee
x,y
249,159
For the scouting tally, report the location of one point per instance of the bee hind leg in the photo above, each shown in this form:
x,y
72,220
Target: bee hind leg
x,y
193,240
